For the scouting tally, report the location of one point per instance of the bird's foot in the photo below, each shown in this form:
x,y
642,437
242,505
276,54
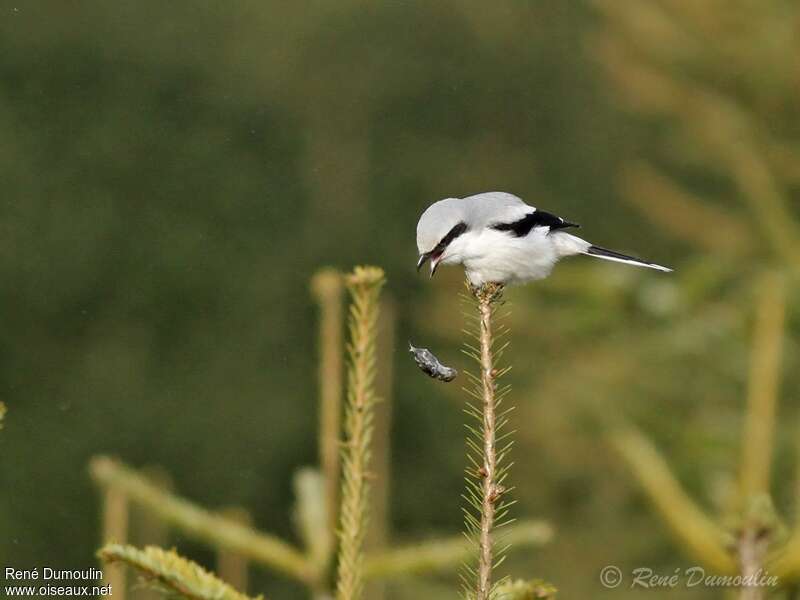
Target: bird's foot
x,y
490,292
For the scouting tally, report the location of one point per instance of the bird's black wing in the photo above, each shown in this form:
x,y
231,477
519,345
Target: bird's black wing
x,y
539,218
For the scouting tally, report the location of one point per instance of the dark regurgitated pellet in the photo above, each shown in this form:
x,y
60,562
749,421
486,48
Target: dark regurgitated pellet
x,y
431,365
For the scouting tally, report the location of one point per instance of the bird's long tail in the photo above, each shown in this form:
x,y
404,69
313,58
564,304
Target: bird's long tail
x,y
606,254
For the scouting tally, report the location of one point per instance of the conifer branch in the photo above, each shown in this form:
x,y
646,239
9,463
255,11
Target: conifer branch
x,y
437,556
115,519
170,573
364,285
379,531
487,473
758,518
490,484
704,540
763,388
526,590
201,524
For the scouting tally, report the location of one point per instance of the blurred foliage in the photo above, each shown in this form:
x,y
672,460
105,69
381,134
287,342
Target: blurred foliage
x,y
718,104
170,574
230,532
174,173
526,590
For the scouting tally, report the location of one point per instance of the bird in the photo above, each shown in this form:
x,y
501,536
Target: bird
x,y
498,238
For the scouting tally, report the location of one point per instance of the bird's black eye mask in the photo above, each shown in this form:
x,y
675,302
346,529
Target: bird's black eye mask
x,y
439,249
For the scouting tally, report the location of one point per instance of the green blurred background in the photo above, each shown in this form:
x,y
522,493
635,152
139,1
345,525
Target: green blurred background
x,y
174,173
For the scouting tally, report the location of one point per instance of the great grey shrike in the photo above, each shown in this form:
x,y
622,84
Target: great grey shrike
x,y
500,239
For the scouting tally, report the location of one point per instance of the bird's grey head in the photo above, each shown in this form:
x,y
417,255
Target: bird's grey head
x,y
438,229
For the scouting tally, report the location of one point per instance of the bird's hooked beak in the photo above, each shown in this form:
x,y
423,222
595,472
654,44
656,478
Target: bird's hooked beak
x,y
425,258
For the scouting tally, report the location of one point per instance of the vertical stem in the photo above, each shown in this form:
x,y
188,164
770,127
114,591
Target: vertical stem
x,y
115,529
763,384
759,428
752,550
327,287
490,488
232,567
379,530
364,285
312,524
149,530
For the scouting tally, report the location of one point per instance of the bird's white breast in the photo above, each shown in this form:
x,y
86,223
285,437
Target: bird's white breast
x,y
490,255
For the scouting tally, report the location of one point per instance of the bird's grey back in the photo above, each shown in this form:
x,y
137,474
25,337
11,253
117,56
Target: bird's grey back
x,y
487,208
478,211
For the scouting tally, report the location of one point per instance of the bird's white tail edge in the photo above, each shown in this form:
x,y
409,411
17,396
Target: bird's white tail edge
x,y
606,254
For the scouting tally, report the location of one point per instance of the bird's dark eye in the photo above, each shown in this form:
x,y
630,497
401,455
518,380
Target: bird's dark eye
x,y
456,231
